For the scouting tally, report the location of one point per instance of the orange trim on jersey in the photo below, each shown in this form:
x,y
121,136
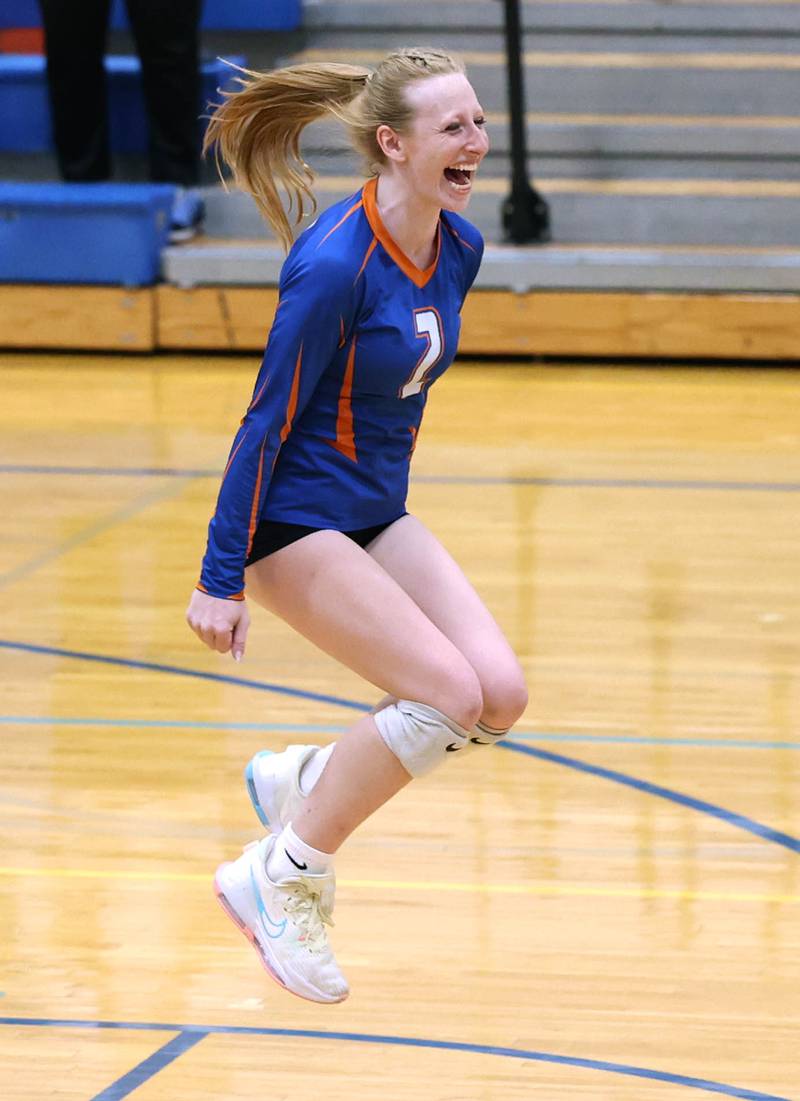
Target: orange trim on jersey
x,y
341,331
345,441
257,398
365,261
458,237
342,220
251,529
234,596
413,432
233,456
291,408
408,267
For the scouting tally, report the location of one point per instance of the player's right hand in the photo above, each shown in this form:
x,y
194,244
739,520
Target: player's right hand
x,y
221,624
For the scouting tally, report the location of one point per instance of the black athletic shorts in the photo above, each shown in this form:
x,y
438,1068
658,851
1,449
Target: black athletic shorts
x,y
271,536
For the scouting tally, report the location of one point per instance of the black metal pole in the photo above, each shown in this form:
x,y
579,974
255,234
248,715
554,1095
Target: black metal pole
x,y
525,214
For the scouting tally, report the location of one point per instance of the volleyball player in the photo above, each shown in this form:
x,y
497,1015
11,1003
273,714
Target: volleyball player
x,y
311,518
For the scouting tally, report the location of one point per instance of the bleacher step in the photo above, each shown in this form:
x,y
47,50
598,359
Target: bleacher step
x,y
645,17
753,214
764,84
520,269
690,140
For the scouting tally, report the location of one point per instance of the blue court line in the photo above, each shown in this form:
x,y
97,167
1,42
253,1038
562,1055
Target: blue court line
x,y
637,739
150,1066
112,471
733,819
738,820
172,724
126,512
406,1041
323,728
612,483
179,671
434,479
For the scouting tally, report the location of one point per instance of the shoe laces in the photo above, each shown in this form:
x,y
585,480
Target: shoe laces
x,y
304,906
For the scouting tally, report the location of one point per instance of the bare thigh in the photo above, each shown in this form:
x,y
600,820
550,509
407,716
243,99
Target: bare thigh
x,y
342,600
421,566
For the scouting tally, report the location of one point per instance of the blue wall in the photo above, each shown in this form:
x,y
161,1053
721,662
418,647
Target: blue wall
x,y
266,15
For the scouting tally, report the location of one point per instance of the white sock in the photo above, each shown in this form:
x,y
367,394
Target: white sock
x,y
312,769
291,857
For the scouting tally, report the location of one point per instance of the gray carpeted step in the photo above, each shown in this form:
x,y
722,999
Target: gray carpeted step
x,y
594,164
611,146
643,18
627,215
719,84
622,99
549,267
618,41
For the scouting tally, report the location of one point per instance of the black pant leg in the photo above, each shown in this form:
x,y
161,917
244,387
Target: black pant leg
x,y
75,41
168,41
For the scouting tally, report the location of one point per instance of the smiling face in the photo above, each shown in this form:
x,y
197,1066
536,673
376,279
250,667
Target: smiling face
x,y
439,153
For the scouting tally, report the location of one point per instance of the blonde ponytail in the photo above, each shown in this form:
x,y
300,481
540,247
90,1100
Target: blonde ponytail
x,y
257,132
257,129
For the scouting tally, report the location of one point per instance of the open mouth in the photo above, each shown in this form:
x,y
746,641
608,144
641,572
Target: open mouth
x,y
460,176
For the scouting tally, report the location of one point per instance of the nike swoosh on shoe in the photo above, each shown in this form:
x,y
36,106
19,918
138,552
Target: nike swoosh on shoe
x,y
262,912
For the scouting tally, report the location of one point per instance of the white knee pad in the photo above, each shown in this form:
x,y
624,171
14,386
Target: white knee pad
x,y
481,734
419,736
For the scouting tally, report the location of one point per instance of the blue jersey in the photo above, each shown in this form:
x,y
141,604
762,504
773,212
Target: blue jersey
x,y
359,335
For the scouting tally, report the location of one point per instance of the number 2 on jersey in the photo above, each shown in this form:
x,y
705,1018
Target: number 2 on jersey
x,y
428,325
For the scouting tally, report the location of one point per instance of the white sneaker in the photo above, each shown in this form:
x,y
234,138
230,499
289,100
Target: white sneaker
x,y
285,922
273,783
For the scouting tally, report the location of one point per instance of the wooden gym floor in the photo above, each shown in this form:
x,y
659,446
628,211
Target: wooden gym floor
x,y
605,910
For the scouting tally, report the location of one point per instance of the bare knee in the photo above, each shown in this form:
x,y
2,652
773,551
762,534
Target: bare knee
x,y
458,695
505,697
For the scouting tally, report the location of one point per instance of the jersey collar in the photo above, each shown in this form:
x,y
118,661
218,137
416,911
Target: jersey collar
x,y
415,274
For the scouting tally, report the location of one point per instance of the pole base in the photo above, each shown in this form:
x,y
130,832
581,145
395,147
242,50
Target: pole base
x,y
525,217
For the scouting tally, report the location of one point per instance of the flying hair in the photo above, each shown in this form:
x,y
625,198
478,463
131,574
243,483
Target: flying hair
x,y
256,130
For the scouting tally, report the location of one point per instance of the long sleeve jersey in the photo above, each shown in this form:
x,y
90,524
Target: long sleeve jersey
x,y
360,333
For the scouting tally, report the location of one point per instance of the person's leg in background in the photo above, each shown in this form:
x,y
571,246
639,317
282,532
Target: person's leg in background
x,y
75,43
167,38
